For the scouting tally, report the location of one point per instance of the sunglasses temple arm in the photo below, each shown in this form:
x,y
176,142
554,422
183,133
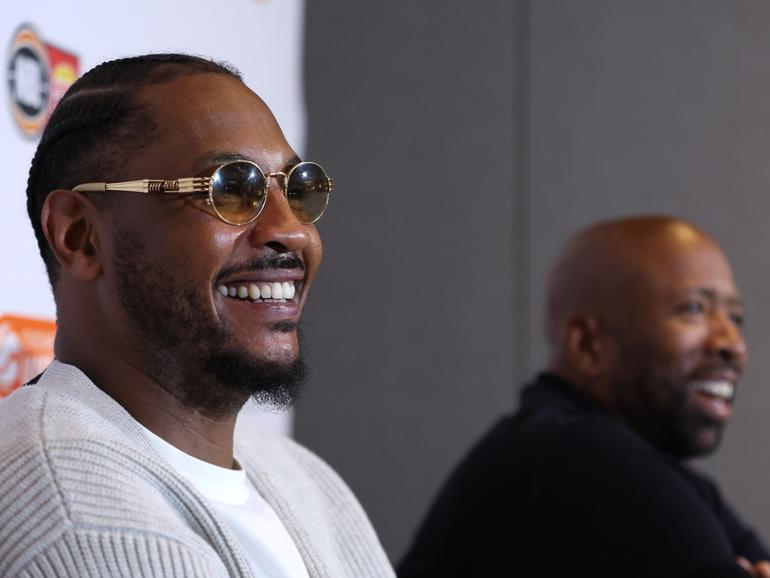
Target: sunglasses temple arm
x,y
189,185
142,186
90,188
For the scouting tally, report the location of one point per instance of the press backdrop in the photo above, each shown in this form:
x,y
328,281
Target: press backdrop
x,y
46,45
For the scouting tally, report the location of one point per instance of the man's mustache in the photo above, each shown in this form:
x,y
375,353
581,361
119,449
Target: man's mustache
x,y
287,261
724,363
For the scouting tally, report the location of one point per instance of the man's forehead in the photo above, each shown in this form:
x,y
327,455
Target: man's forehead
x,y
697,266
206,119
198,89
206,102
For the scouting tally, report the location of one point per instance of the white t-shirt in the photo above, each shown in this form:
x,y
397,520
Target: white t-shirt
x,y
268,547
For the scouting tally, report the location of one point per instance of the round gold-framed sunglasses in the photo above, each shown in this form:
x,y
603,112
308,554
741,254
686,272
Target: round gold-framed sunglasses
x,y
237,190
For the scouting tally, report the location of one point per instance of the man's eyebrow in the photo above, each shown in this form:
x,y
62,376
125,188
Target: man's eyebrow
x,y
292,162
210,158
711,294
217,158
221,158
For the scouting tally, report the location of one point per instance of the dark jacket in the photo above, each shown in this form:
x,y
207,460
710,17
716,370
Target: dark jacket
x,y
562,488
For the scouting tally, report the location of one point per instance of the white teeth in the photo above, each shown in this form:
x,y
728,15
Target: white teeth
x,y
275,290
722,389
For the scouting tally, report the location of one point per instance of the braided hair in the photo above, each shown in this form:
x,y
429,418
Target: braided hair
x,y
96,126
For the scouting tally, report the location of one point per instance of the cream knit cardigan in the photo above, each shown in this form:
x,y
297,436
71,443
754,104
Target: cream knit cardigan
x,y
84,494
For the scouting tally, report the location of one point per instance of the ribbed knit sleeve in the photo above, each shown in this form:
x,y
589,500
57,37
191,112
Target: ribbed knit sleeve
x,y
76,502
98,554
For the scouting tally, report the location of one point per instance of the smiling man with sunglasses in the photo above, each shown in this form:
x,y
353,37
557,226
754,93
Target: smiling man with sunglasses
x,y
176,226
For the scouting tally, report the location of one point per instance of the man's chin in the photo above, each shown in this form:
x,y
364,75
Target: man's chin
x,y
284,327
274,384
702,442
708,439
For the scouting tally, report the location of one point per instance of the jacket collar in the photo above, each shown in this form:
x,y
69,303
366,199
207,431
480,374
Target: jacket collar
x,y
553,391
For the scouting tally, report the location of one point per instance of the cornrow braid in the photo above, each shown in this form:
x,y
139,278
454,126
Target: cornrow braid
x,y
97,125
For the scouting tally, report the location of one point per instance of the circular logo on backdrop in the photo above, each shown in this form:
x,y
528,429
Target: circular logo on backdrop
x,y
38,76
28,81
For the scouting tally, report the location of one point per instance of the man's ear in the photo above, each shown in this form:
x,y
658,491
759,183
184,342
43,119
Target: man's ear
x,y
69,221
586,346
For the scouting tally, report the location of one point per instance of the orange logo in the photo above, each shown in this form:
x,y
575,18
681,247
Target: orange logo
x,y
38,76
26,349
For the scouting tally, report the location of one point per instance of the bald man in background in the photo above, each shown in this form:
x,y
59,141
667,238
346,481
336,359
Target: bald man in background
x,y
644,326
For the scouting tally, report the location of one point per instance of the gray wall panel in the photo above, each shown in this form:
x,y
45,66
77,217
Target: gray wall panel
x,y
467,142
660,106
410,325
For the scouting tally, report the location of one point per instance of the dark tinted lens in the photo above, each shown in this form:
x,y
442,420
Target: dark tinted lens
x,y
308,191
238,191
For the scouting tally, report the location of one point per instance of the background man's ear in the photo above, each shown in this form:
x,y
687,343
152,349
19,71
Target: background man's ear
x,y
586,346
69,223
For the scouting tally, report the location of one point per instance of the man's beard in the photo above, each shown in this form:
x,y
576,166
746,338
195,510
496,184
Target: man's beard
x,y
187,353
683,430
668,422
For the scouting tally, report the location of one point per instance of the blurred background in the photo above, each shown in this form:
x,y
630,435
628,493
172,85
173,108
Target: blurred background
x,y
467,141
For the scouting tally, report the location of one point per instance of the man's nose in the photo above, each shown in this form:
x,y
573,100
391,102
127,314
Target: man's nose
x,y
278,225
726,338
